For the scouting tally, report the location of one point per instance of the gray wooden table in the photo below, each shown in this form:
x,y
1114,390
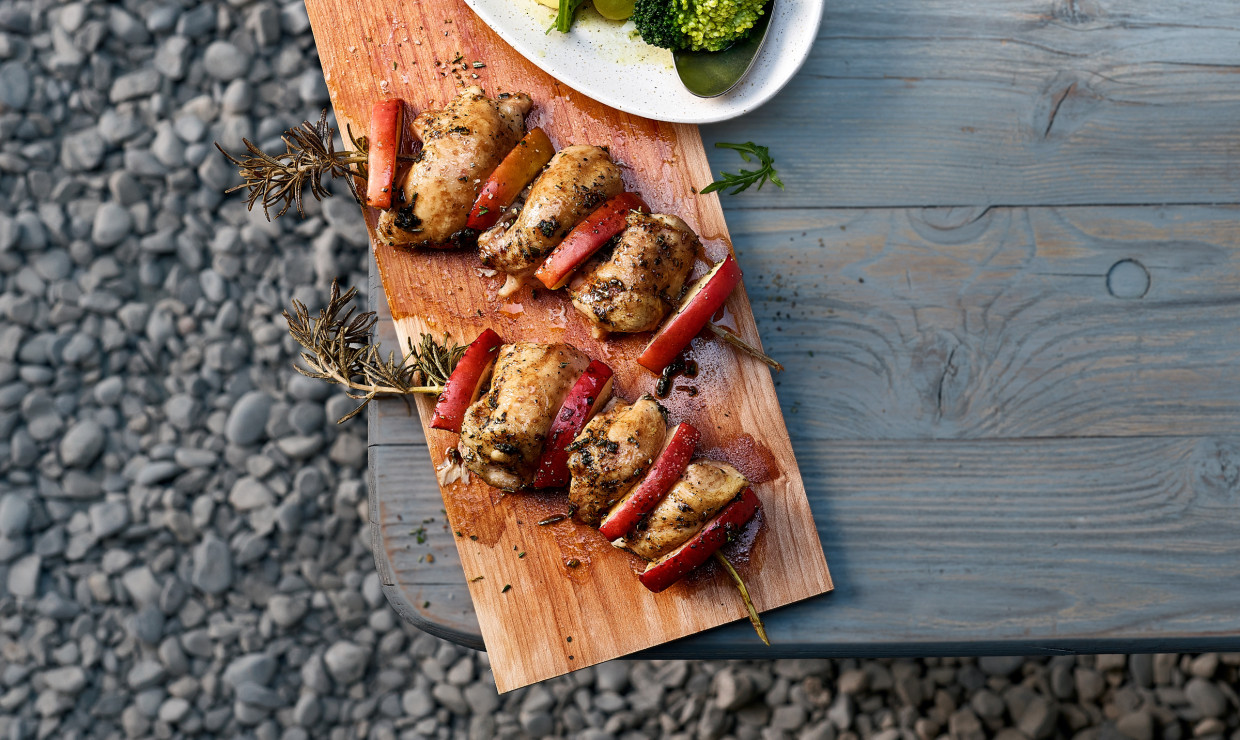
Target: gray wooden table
x,y
1005,279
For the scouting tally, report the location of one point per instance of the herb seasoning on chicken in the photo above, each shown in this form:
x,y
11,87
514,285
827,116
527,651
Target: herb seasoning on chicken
x,y
642,280
702,491
461,145
504,430
576,180
612,454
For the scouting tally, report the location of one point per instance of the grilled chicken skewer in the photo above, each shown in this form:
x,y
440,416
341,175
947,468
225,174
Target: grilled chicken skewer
x,y
643,278
613,453
504,430
461,145
577,179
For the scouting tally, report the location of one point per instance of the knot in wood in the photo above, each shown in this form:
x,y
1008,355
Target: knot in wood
x,y
942,370
1216,468
1128,279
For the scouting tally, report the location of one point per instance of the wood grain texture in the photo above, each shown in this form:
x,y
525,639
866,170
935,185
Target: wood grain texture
x,y
540,615
1006,102
953,378
981,546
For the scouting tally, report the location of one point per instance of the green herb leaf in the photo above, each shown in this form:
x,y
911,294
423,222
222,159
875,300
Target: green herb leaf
x,y
744,178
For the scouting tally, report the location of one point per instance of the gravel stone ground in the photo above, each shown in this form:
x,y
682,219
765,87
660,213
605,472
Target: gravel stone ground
x,y
182,542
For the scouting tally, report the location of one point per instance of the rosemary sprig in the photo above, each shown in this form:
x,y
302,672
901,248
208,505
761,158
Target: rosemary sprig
x,y
310,156
754,619
744,178
339,350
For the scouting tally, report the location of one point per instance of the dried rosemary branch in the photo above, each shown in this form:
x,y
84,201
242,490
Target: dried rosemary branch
x,y
310,155
339,350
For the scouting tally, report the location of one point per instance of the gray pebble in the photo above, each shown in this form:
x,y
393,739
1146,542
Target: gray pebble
x,y
107,518
111,225
14,86
307,710
144,674
346,661
172,57
82,444
252,668
224,61
1205,697
147,624
212,571
68,680
133,85
23,581
82,151
197,21
14,514
247,421
173,710
995,665
286,610
167,146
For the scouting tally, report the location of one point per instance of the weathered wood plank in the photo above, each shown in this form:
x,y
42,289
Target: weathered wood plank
x,y
1008,102
1005,546
968,324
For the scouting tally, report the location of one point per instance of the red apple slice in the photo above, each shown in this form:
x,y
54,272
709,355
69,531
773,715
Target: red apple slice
x,y
698,549
466,381
586,398
704,298
517,170
667,469
588,237
386,120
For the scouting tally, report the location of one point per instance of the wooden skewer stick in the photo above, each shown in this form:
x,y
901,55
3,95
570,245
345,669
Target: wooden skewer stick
x,y
744,346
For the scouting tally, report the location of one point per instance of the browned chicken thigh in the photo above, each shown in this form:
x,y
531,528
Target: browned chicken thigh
x,y
461,145
641,281
576,180
702,491
504,430
612,454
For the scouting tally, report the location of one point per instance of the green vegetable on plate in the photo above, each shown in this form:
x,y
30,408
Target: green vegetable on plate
x,y
694,25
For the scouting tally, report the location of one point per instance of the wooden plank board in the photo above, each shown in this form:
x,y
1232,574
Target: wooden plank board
x,y
1120,542
1008,322
1007,102
984,546
541,617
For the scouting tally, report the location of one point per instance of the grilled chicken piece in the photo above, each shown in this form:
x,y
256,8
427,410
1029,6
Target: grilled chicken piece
x,y
612,454
461,145
576,180
642,280
504,430
703,489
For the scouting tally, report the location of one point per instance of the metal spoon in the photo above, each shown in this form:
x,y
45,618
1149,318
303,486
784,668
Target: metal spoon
x,y
709,74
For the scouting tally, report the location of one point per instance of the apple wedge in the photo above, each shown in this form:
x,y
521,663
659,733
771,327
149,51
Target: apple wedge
x,y
466,381
586,398
667,469
386,121
518,169
588,237
705,297
700,547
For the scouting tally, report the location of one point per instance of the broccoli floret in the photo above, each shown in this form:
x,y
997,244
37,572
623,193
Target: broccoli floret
x,y
712,25
657,22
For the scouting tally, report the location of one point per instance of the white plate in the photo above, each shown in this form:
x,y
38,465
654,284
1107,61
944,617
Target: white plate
x,y
598,58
